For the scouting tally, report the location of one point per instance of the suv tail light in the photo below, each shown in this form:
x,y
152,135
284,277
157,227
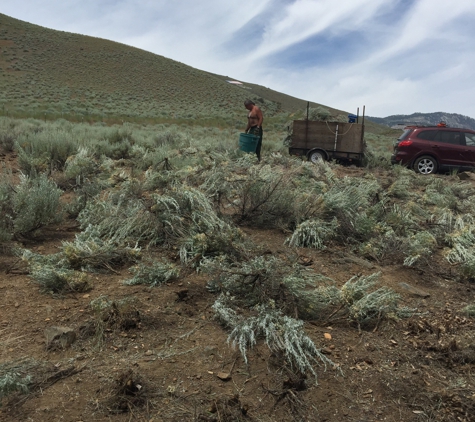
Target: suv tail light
x,y
404,143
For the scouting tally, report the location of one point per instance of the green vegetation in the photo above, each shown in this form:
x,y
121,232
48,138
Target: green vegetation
x,y
11,382
153,274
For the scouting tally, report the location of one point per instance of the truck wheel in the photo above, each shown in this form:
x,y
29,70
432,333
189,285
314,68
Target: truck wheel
x,y
316,156
425,165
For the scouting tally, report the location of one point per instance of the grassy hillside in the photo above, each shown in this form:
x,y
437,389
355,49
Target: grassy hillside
x,y
59,73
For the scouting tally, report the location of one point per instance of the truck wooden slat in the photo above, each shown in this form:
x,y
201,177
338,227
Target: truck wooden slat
x,y
310,134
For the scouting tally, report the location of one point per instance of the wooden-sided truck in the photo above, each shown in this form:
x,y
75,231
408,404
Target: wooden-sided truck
x,y
322,140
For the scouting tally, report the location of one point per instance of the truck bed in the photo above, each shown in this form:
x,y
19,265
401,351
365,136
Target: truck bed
x,y
308,135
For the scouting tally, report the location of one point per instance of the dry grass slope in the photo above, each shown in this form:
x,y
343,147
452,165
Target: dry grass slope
x,y
63,74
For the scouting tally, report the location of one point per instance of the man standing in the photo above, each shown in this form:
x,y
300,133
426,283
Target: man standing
x,y
254,124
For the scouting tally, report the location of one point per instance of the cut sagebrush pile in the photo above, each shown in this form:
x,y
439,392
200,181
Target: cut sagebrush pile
x,y
60,280
11,381
127,392
182,217
52,273
152,273
113,314
302,292
264,196
276,290
24,376
90,252
283,335
469,310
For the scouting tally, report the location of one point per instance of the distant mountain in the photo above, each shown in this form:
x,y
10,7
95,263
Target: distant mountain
x,y
452,119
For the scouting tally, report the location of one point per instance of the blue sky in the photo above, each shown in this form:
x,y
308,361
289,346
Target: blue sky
x,y
391,56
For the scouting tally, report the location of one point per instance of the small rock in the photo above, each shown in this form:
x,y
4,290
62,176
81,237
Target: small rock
x,y
63,336
413,290
182,294
148,353
224,376
466,176
210,350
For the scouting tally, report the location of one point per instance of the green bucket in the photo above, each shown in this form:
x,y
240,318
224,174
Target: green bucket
x,y
248,142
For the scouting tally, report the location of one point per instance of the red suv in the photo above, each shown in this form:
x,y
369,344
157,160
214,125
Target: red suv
x,y
428,149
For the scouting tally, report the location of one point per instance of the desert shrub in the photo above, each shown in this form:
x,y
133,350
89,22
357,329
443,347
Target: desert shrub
x,y
6,208
36,259
283,335
115,314
7,140
86,191
53,273
226,241
349,200
60,280
401,188
444,221
257,195
45,150
385,247
116,150
266,199
299,292
376,159
403,219
318,113
35,204
90,252
462,251
366,307
377,305
80,166
314,296
171,138
159,179
129,220
311,295
313,233
419,248
183,216
250,282
11,382
152,274
469,310
439,193
116,136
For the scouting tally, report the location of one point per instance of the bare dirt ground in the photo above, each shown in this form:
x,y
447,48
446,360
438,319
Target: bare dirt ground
x,y
171,362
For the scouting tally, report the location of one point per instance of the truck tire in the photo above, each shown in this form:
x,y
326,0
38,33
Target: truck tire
x,y
425,165
317,155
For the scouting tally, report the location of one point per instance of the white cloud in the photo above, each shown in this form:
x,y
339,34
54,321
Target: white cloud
x,y
305,18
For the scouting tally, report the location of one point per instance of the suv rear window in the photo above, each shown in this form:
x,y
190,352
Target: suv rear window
x,y
404,134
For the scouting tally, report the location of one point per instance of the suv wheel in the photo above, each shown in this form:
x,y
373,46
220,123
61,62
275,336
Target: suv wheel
x,y
425,165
